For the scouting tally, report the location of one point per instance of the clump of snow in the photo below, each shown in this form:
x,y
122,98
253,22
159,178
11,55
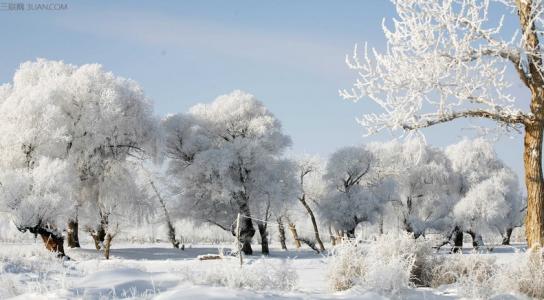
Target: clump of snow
x,y
387,265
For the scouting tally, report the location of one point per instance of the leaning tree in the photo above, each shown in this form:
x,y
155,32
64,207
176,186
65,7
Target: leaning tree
x,y
447,60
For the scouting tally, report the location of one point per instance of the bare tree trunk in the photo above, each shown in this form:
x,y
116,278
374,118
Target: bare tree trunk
x,y
247,230
534,222
293,230
457,240
171,228
52,239
54,243
264,238
72,234
107,245
314,223
281,231
99,234
532,156
477,240
506,236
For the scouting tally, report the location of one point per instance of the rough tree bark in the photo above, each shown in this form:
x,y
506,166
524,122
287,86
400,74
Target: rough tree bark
x,y
281,231
532,156
264,238
534,223
72,234
294,233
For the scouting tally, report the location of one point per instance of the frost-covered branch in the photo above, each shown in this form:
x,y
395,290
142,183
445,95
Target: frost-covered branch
x,y
447,60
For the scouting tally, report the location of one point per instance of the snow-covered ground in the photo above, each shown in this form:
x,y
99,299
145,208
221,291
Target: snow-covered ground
x,y
157,271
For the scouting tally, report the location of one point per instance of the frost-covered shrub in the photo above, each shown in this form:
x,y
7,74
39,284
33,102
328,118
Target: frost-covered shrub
x,y
259,275
389,264
346,265
482,276
31,269
524,274
473,274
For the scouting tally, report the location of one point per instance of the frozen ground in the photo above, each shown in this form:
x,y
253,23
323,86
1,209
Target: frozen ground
x,y
157,271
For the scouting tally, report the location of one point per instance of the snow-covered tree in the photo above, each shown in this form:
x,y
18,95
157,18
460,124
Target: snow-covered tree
x,y
155,185
274,189
84,115
475,160
348,202
447,60
312,188
494,203
419,182
478,165
39,199
217,152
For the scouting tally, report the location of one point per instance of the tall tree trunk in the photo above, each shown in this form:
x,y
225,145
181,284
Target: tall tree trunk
x,y
72,235
506,236
170,226
457,236
534,222
107,245
281,231
532,156
314,223
247,231
294,233
264,238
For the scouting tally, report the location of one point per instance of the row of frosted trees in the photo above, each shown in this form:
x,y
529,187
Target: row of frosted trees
x,y
82,152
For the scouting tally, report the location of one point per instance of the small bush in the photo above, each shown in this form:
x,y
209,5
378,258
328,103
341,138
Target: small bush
x,y
473,274
482,276
524,274
389,264
259,275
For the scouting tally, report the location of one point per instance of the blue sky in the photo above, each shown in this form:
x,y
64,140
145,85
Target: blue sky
x,y
290,54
